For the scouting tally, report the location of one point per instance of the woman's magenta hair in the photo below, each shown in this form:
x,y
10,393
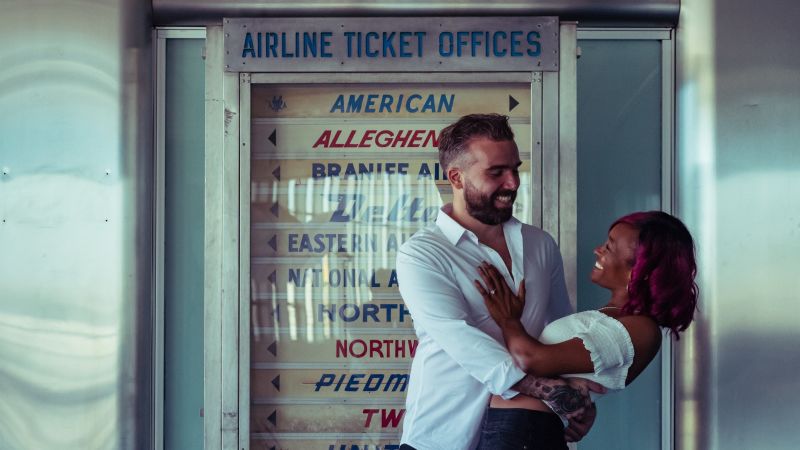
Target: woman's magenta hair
x,y
662,282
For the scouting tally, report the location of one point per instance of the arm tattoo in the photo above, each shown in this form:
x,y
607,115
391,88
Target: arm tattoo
x,y
555,392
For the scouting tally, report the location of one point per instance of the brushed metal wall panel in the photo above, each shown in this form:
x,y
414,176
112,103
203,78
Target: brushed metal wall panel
x,y
739,173
75,258
188,12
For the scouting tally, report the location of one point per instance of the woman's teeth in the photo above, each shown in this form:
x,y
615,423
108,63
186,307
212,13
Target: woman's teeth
x,y
597,265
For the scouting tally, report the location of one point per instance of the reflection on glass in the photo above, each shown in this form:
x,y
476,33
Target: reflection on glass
x,y
326,224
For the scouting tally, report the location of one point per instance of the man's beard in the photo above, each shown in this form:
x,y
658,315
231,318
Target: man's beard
x,y
481,206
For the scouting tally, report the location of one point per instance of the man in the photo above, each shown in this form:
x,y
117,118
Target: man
x,y
460,359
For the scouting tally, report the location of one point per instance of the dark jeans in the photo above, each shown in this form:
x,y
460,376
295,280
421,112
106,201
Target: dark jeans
x,y
506,429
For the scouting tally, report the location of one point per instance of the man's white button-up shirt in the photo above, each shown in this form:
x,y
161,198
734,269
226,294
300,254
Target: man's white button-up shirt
x,y
461,358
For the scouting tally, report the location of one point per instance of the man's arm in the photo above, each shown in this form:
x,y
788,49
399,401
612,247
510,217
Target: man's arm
x,y
440,309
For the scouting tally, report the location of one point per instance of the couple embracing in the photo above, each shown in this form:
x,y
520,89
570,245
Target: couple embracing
x,y
503,362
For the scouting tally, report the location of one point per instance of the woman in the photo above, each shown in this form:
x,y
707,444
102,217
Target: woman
x,y
647,263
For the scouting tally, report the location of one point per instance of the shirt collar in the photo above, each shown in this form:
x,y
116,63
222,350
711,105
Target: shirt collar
x,y
453,230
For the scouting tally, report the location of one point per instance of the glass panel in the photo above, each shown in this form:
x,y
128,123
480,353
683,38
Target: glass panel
x,y
341,176
183,246
619,171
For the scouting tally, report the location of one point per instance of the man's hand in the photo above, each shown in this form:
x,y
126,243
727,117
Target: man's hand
x,y
578,428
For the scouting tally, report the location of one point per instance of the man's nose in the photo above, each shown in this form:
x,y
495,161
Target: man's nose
x,y
511,181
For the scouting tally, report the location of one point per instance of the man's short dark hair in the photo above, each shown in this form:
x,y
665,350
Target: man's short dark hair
x,y
454,138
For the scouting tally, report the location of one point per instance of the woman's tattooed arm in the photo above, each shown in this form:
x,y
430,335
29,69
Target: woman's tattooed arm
x,y
566,397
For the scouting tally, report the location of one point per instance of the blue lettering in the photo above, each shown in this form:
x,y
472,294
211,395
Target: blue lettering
x,y
370,106
404,43
248,46
430,105
325,42
309,44
325,380
420,36
378,381
392,279
495,45
349,35
371,53
388,46
352,384
323,310
386,103
370,310
343,312
318,169
354,103
409,107
533,41
444,104
295,277
446,50
272,44
461,39
515,42
474,42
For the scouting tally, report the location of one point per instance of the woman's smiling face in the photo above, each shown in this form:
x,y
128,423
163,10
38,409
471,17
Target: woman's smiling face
x,y
615,258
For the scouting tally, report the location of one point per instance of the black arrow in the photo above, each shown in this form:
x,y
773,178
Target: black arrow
x,y
274,137
273,418
273,348
273,276
277,382
277,173
512,103
274,243
275,208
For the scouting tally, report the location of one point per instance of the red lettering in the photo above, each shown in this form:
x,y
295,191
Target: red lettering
x,y
416,138
358,353
431,140
341,348
334,143
391,417
375,347
349,142
369,413
383,142
399,138
323,140
366,138
386,348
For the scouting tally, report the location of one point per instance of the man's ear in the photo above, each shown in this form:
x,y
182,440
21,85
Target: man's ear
x,y
454,175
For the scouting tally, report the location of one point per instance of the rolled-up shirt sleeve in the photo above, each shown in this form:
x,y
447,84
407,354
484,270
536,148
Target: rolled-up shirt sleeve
x,y
440,310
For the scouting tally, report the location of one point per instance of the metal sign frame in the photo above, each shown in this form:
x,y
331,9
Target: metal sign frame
x,y
227,169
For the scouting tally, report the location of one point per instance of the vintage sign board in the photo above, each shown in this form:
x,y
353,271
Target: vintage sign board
x,y
392,44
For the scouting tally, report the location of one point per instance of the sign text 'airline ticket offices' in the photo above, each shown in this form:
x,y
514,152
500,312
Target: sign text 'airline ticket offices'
x,y
392,44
